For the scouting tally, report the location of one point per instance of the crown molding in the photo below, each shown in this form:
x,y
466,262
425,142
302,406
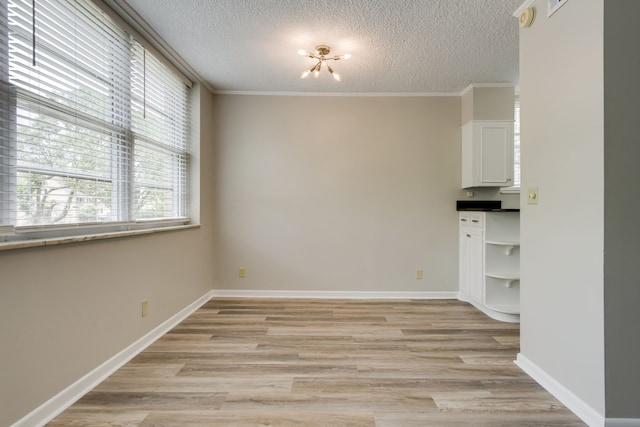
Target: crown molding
x,y
485,85
346,94
523,6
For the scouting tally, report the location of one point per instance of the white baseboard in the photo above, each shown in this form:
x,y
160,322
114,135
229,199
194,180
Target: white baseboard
x,y
61,401
560,392
622,422
503,317
333,294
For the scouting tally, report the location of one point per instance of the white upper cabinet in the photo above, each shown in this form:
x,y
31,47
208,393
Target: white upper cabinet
x,y
487,153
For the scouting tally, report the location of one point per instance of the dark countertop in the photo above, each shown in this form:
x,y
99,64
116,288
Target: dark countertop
x,y
486,210
482,206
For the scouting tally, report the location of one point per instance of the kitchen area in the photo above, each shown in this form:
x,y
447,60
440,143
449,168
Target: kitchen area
x,y
489,219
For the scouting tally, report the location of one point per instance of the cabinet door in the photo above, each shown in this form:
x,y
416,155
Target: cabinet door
x,y
495,153
463,264
487,154
471,264
476,262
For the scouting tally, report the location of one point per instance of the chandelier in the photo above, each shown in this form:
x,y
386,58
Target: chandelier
x,y
321,53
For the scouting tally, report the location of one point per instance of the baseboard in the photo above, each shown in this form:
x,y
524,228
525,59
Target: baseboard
x,y
503,317
334,294
564,395
622,422
61,401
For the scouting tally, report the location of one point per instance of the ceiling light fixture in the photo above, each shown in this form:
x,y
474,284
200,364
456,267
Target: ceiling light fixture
x,y
320,54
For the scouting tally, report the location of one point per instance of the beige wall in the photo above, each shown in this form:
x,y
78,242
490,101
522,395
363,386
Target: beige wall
x,y
488,103
467,107
66,309
493,103
562,145
338,193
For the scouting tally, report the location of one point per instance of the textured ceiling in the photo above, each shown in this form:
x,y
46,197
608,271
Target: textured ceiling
x,y
398,46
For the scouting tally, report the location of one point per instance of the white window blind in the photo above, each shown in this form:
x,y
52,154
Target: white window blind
x,y
7,130
159,126
516,146
99,126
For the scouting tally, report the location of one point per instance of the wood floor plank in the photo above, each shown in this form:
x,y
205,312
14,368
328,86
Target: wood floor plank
x,y
480,401
198,384
87,418
281,419
121,401
306,362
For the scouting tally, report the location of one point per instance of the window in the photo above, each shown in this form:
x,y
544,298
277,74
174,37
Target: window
x,y
94,127
516,151
516,146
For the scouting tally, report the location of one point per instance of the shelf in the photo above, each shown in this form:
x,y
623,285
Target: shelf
x,y
508,246
502,243
509,278
505,308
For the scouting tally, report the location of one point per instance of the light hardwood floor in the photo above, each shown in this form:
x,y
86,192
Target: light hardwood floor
x,y
294,362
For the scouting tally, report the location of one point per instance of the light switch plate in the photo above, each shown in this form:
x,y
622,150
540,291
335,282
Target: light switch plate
x,y
554,5
532,195
145,307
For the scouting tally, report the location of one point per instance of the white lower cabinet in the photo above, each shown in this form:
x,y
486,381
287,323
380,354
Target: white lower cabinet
x,y
489,268
471,255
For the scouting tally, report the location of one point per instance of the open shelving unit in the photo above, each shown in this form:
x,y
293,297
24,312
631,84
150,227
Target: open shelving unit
x,y
502,262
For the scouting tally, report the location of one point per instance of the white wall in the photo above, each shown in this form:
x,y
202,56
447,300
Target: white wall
x,y
561,95
66,309
338,193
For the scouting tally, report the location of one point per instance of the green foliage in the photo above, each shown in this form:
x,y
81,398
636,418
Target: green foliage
x,y
68,173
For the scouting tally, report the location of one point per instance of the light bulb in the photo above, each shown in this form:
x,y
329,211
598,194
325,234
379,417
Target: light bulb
x,y
305,74
346,56
335,75
302,52
316,73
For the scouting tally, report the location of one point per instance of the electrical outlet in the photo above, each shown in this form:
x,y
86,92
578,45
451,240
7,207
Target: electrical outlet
x,y
242,272
418,274
145,307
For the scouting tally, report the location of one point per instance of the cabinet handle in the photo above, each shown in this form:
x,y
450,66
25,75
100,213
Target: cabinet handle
x,y
474,220
468,235
463,220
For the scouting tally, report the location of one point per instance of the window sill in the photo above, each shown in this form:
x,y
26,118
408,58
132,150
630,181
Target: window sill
x,y
53,241
510,190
